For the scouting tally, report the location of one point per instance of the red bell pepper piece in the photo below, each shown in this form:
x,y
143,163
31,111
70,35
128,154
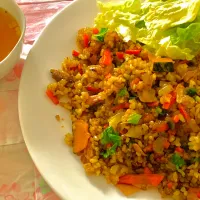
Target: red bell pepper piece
x,y
120,106
133,51
86,40
75,53
93,89
120,55
106,58
95,30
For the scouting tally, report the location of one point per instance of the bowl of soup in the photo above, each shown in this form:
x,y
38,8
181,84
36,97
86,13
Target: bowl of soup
x,y
12,28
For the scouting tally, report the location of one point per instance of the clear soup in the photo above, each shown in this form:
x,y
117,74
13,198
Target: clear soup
x,y
9,33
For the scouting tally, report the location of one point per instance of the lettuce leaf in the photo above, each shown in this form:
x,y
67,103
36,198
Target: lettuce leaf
x,y
168,28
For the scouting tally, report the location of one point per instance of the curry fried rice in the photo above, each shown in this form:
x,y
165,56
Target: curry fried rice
x,y
136,117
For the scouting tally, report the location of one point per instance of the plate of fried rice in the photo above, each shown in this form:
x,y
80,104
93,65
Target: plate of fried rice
x,y
109,101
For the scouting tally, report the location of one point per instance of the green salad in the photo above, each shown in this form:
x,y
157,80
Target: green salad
x,y
169,28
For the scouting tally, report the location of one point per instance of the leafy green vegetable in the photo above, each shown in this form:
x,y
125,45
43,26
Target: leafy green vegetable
x,y
109,136
172,31
110,151
191,92
163,67
177,160
100,36
122,92
134,118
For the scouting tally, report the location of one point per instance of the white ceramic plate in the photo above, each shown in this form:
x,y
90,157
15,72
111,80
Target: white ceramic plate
x,y
42,133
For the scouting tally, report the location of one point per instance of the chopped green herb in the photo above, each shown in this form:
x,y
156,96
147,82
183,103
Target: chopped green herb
x,y
110,151
122,92
100,36
171,125
134,118
177,160
191,92
110,136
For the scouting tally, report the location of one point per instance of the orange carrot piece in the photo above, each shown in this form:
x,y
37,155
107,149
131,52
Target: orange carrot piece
x,y
51,96
146,179
148,148
184,112
166,144
176,118
162,127
147,170
179,150
86,40
193,194
81,136
127,190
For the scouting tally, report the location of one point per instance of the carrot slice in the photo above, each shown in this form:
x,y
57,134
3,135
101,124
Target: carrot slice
x,y
147,170
184,112
51,96
127,190
81,136
137,179
162,127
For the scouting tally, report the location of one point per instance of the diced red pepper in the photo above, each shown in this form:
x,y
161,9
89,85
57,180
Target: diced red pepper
x,y
95,30
106,59
179,150
86,40
51,96
93,89
162,127
153,104
184,112
120,106
80,69
170,185
176,118
147,170
133,51
120,55
75,53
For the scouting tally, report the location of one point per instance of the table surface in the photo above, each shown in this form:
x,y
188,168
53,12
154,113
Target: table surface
x,y
19,178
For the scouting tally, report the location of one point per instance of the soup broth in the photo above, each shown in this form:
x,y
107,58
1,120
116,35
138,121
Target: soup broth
x,y
9,33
